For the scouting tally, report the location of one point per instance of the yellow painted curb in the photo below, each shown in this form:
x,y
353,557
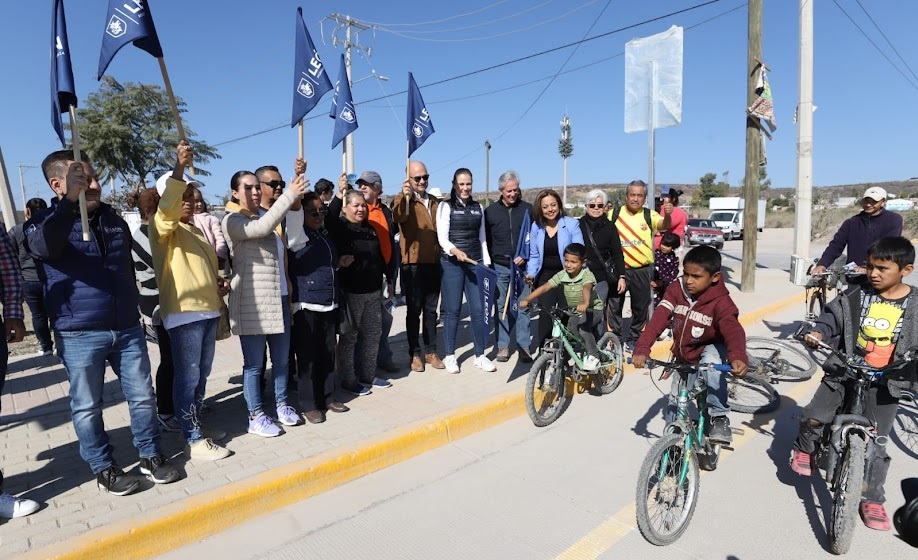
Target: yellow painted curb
x,y
169,527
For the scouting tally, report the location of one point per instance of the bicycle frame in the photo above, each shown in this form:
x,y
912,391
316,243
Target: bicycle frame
x,y
560,332
685,424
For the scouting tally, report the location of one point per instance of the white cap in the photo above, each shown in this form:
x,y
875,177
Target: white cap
x,y
875,193
161,182
189,180
435,192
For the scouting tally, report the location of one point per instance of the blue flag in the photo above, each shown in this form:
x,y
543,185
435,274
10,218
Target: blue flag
x,y
128,21
310,81
343,108
419,124
487,287
63,92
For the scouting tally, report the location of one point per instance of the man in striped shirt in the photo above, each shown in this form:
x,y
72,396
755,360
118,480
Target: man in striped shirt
x,y
636,226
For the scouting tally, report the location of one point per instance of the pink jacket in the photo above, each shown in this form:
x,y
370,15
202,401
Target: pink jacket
x,y
213,231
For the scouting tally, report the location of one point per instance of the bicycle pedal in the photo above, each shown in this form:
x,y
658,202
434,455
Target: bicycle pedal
x,y
737,431
727,447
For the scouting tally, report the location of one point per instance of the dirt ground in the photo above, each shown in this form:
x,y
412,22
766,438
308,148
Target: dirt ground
x,y
29,344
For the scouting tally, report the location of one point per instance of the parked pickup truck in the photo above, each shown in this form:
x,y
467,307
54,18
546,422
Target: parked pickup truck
x,y
703,232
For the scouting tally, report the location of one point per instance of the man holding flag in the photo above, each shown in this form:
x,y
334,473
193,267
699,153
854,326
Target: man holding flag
x,y
507,225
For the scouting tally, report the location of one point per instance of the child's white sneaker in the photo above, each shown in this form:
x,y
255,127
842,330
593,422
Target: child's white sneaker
x,y
590,363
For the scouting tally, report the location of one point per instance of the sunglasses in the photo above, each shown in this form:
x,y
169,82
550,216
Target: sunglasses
x,y
420,178
596,205
275,184
316,213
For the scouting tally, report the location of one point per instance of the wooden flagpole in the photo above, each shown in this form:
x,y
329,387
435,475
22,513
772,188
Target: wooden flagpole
x,y
77,157
175,111
507,301
302,140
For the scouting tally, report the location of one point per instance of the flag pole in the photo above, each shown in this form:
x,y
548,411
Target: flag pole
x,y
301,134
506,303
172,103
407,159
77,157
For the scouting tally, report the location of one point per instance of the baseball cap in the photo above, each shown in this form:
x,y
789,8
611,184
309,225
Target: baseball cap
x,y
876,193
161,182
192,182
370,178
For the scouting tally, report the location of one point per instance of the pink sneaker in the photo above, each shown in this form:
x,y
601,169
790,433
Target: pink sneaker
x,y
874,516
801,463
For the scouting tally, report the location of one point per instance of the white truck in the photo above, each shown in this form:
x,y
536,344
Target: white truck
x,y
727,213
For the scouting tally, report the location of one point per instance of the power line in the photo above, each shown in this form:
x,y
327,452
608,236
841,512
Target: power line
x,y
496,66
895,50
472,26
440,20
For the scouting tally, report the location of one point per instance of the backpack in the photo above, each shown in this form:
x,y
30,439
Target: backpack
x,y
647,218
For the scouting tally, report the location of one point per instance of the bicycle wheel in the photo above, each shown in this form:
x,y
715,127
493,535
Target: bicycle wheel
x,y
905,428
847,496
816,304
769,357
544,403
751,394
664,506
611,369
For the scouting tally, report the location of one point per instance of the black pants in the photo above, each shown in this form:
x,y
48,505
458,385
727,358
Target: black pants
x,y
639,289
880,406
421,287
313,336
35,298
165,373
546,302
585,325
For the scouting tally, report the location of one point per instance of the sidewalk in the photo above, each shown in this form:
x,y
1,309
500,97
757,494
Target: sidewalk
x,y
40,455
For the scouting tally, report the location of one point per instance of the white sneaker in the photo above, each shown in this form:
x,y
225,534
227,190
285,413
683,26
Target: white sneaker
x,y
43,353
590,363
452,366
206,450
11,506
483,363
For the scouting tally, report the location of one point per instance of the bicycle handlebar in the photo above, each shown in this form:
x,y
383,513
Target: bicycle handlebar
x,y
679,366
853,361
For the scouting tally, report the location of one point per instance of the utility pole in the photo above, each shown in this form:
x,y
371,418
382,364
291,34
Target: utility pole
x,y
348,24
753,147
803,206
487,173
22,183
6,197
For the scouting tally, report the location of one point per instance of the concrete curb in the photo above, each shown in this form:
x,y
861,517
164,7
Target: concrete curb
x,y
194,518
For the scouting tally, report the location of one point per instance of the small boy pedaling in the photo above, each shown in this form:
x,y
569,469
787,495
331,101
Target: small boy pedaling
x,y
706,330
665,265
577,282
879,321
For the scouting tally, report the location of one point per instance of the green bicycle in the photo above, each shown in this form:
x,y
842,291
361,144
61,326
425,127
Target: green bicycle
x,y
561,358
667,486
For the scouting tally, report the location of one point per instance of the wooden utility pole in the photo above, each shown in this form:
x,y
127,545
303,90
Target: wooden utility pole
x,y
753,147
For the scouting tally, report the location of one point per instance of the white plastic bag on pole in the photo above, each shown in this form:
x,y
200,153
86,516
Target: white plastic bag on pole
x,y
653,81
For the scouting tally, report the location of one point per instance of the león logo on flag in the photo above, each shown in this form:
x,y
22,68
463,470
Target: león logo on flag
x,y
348,115
305,88
417,130
116,27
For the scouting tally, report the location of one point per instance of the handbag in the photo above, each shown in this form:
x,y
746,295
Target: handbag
x,y
346,323
606,263
223,323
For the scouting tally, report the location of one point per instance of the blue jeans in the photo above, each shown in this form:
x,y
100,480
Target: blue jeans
x,y
459,278
193,355
253,353
523,336
717,387
84,354
35,298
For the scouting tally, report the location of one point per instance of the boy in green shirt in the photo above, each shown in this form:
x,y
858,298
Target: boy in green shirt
x,y
577,282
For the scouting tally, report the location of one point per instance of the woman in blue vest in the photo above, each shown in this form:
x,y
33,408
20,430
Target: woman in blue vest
x,y
550,234
461,233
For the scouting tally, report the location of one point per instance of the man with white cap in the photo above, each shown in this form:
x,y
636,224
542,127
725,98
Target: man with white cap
x,y
860,231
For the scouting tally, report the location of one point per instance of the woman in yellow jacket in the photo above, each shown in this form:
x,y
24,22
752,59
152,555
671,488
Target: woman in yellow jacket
x,y
190,293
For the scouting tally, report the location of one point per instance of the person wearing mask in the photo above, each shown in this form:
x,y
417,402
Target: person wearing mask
x,y
415,212
461,233
31,284
504,223
259,308
551,232
363,271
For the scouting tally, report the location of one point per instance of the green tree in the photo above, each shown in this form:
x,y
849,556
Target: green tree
x,y
707,189
129,131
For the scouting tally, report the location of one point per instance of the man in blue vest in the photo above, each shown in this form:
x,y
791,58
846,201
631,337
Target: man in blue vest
x,y
91,298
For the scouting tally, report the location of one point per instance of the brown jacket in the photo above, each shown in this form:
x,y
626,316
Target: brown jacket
x,y
418,228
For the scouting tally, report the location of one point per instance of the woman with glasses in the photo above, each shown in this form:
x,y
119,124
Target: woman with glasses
x,y
461,232
605,258
313,262
361,274
258,303
551,232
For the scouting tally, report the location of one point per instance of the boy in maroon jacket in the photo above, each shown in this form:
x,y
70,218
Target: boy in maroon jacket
x,y
706,330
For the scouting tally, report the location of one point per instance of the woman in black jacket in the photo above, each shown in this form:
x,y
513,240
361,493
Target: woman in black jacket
x,y
362,271
604,251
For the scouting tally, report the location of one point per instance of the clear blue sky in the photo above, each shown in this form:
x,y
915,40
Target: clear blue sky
x,y
231,60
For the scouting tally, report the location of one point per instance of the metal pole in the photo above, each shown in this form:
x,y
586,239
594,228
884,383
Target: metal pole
x,y
349,140
6,197
487,173
565,182
22,189
804,203
753,146
652,156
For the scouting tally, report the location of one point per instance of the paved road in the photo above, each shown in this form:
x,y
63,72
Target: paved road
x,y
567,491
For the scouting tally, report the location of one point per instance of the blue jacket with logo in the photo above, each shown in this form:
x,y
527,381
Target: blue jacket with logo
x,y
89,285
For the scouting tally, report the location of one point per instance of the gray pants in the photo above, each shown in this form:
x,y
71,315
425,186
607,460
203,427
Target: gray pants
x,y
367,312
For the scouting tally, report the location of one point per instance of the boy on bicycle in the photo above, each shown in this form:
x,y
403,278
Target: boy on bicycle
x,y
878,321
706,330
577,282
